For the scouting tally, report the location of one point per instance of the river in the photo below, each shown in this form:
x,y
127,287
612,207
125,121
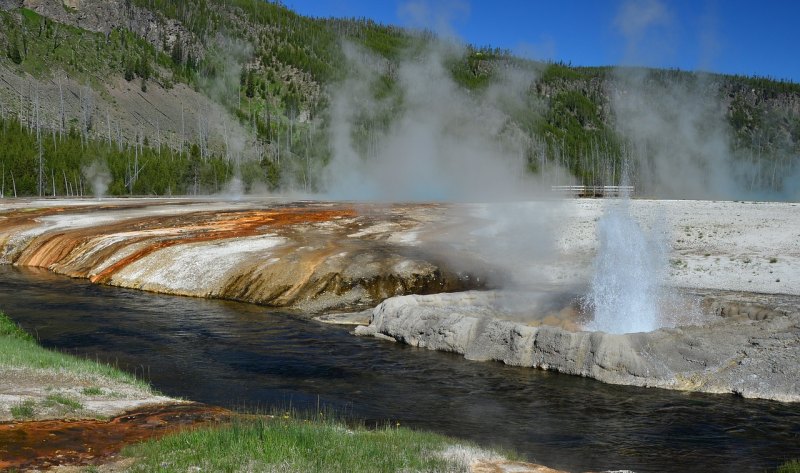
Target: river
x,y
250,357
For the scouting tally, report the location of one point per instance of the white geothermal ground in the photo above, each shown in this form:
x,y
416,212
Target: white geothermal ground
x,y
737,246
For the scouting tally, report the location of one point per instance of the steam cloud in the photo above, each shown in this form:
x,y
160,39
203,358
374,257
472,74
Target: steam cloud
x,y
682,144
680,138
439,16
435,142
99,176
238,142
677,129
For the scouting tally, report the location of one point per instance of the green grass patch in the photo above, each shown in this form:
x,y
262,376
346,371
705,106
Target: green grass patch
x,y
289,443
24,409
19,349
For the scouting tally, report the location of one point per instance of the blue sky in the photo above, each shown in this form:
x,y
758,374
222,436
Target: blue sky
x,y
730,36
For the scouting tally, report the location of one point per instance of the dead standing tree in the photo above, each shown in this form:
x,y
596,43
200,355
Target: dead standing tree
x,y
62,114
86,112
40,186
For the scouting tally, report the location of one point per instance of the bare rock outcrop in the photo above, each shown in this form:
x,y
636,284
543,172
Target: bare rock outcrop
x,y
740,355
104,16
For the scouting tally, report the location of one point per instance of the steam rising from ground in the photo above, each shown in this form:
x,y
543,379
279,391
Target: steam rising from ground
x,y
681,144
229,56
680,137
99,176
436,16
676,124
646,26
510,242
426,138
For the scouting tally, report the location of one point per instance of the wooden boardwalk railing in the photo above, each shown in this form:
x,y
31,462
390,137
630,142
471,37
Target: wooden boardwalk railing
x,y
594,191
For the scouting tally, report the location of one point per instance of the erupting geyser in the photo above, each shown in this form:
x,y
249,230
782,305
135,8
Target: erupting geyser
x,y
625,291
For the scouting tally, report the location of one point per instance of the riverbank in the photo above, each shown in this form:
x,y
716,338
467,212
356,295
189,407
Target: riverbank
x,y
57,409
64,413
40,384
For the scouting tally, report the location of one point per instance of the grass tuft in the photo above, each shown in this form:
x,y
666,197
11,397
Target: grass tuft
x,y
53,400
24,410
92,391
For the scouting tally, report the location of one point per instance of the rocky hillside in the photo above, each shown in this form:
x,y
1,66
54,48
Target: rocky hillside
x,y
158,97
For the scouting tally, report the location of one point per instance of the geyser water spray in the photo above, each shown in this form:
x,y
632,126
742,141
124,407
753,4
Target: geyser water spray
x,y
625,292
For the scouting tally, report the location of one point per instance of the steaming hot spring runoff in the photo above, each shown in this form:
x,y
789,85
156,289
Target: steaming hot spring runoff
x,y
247,235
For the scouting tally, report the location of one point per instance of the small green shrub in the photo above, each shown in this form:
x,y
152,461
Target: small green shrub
x,y
678,263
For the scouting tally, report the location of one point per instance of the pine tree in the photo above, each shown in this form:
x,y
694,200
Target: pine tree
x,y
177,51
13,51
130,70
143,68
250,89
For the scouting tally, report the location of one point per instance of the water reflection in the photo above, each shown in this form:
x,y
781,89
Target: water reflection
x,y
237,355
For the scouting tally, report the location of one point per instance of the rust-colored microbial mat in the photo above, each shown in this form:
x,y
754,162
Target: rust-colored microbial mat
x,y
311,256
43,444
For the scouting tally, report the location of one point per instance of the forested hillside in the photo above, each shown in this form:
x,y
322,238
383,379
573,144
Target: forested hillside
x,y
159,97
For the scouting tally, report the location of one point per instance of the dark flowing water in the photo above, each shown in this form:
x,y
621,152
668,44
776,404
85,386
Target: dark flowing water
x,y
240,355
